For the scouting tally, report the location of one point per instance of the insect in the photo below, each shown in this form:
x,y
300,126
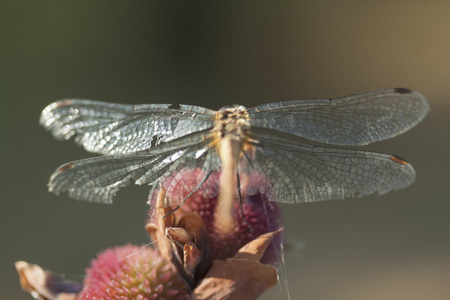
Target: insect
x,y
146,143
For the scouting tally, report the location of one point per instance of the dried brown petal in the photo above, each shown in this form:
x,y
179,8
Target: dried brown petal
x,y
163,244
256,248
236,279
157,231
240,277
43,284
164,216
179,235
195,225
184,242
192,257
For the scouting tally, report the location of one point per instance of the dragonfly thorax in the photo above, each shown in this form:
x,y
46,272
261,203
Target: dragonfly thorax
x,y
232,121
231,131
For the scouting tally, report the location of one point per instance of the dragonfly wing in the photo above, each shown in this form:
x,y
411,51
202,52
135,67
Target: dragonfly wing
x,y
354,120
304,173
98,179
109,128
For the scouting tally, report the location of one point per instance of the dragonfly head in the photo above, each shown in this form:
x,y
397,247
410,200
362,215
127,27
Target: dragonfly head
x,y
233,107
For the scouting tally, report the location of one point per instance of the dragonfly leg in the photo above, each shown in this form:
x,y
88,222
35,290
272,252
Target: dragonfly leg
x,y
250,227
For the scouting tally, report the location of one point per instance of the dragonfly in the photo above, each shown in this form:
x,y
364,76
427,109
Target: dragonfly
x,y
147,143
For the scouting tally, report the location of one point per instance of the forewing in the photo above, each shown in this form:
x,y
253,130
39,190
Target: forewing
x,y
109,128
98,179
354,120
301,173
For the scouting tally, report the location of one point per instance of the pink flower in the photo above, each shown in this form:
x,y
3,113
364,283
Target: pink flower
x,y
258,215
129,272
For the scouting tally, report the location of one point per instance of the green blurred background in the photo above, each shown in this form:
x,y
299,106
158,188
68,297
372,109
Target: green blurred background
x,y
211,54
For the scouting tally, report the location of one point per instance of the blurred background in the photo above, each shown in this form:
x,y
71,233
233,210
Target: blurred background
x,y
396,246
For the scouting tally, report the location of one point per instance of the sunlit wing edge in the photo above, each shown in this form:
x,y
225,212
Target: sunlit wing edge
x,y
354,120
109,128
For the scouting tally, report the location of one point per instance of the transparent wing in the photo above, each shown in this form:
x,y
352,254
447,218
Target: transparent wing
x,y
109,128
98,179
353,120
304,173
